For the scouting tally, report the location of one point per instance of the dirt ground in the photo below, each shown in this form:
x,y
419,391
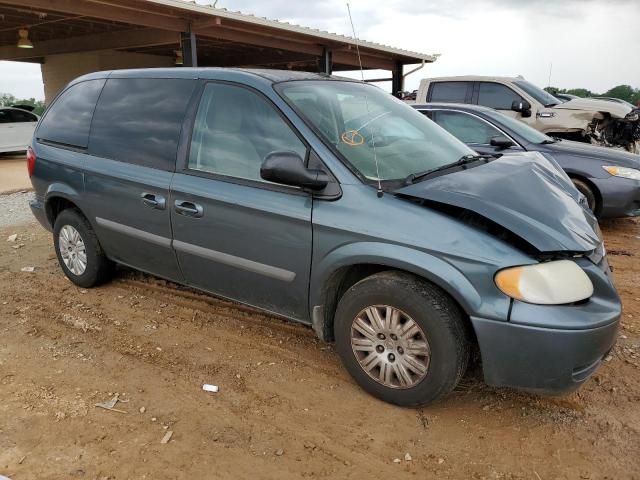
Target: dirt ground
x,y
286,408
13,173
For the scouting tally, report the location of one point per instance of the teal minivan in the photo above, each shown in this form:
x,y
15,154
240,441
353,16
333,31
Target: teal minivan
x,y
331,203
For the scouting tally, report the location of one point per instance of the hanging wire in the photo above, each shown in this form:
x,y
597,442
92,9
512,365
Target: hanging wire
x,y
366,102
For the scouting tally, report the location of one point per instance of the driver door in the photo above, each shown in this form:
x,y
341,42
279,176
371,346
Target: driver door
x,y
235,234
501,97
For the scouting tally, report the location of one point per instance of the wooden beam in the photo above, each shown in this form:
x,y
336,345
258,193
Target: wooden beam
x,y
87,43
250,38
350,57
268,57
105,12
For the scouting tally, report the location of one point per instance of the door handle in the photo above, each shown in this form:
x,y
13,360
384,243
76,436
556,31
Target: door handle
x,y
153,201
189,209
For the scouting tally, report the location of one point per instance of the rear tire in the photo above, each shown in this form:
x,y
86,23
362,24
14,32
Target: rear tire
x,y
584,189
415,350
78,250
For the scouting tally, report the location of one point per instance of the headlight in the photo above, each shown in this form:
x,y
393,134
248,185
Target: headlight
x,y
550,283
623,172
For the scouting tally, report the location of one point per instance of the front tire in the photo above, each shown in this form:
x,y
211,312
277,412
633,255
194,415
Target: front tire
x,y
584,189
79,253
402,339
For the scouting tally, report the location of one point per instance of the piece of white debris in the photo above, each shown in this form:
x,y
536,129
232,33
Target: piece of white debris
x,y
167,437
210,388
279,452
440,461
28,269
407,457
110,404
396,460
143,409
12,238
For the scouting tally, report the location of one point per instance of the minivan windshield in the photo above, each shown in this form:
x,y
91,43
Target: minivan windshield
x,y
542,96
361,123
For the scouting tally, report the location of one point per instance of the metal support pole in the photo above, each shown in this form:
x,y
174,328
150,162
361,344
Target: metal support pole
x,y
326,62
397,80
189,49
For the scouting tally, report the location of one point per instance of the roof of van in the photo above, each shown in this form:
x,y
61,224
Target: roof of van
x,y
211,72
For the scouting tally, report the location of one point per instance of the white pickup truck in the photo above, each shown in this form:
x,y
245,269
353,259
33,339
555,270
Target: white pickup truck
x,y
582,119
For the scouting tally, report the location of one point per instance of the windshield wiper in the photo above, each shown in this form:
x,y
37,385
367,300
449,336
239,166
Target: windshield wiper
x,y
548,142
412,178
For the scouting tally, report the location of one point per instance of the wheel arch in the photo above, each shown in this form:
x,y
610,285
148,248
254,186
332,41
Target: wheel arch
x,y
335,278
592,186
59,197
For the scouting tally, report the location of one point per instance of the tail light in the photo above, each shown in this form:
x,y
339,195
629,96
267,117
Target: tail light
x,y
31,161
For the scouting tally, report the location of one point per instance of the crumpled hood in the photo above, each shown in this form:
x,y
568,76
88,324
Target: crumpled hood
x,y
617,110
611,156
524,193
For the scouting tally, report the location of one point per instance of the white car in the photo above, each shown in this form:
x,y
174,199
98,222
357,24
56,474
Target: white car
x,y
16,128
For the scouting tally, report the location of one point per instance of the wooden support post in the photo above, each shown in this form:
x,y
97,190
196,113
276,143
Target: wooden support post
x,y
189,49
397,80
326,61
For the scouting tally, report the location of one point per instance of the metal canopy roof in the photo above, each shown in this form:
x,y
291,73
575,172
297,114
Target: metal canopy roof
x,y
224,38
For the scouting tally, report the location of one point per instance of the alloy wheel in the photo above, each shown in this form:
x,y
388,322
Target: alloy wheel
x,y
72,250
390,346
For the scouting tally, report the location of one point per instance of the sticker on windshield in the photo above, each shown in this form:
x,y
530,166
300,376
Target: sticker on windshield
x,y
352,137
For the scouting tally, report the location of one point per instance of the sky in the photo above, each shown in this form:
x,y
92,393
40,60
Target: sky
x,y
591,44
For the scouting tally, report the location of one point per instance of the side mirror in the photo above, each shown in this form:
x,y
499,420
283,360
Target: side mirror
x,y
288,168
521,106
501,142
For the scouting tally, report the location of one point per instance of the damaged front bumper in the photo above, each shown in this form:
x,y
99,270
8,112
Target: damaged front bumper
x,y
551,348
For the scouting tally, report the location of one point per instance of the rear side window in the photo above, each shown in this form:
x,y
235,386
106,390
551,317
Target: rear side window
x,y
466,127
427,113
69,118
20,116
497,96
138,120
450,92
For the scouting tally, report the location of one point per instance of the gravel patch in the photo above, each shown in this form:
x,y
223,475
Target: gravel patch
x,y
14,209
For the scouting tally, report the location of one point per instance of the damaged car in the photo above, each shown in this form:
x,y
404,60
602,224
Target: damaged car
x,y
608,178
601,122
331,203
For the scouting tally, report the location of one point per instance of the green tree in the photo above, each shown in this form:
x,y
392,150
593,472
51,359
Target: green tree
x,y
6,100
580,92
623,92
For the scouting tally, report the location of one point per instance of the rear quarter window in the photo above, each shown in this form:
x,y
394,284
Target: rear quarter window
x,y
449,92
138,120
20,116
68,119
